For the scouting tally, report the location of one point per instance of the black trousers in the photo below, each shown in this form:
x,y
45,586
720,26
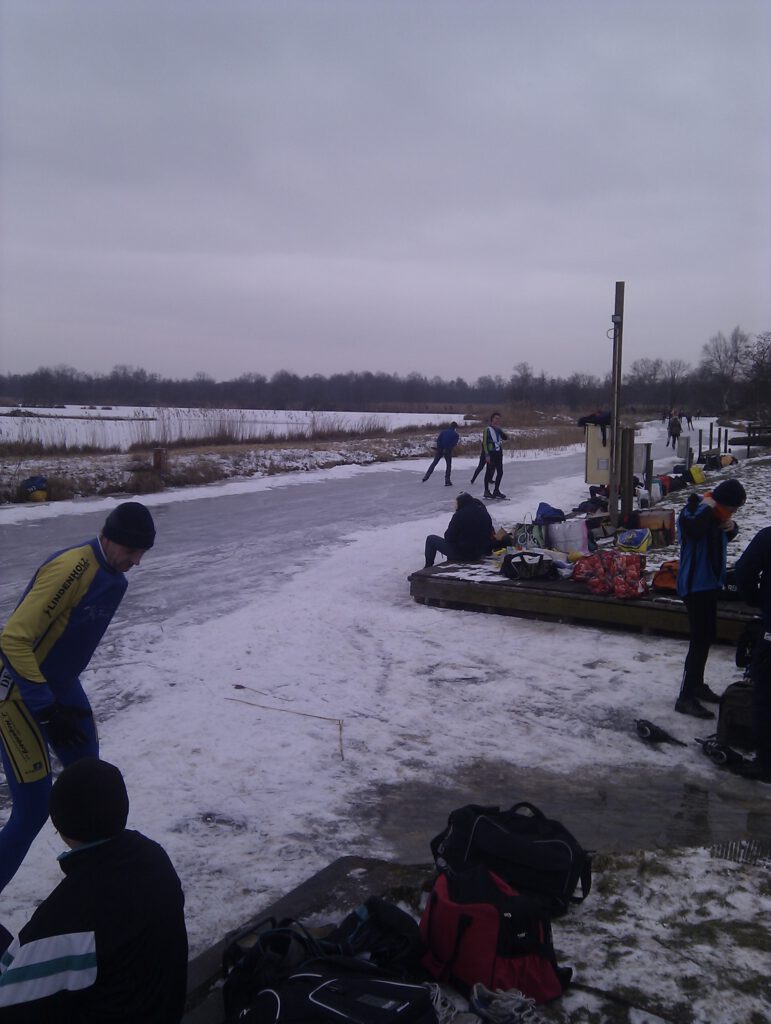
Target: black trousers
x,y
760,673
494,467
441,453
702,627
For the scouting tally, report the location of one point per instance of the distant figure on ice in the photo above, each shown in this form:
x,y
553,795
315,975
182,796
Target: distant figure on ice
x,y
445,442
468,536
494,456
674,430
47,642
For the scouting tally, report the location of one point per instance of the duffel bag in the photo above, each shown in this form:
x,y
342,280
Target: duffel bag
x,y
531,852
342,990
665,577
476,928
524,565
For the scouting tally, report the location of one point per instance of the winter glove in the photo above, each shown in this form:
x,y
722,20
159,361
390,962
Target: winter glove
x,y
61,724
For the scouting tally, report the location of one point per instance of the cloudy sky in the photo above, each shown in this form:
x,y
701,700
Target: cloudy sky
x,y
328,185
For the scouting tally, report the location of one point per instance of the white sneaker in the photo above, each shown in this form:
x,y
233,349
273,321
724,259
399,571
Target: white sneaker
x,y
446,1011
511,1007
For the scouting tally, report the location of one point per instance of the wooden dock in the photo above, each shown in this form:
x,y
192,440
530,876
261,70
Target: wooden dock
x,y
480,587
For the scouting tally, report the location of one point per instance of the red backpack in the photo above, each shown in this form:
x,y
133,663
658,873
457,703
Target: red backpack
x,y
476,928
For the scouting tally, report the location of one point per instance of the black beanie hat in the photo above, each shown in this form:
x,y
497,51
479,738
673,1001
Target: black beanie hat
x,y
131,525
89,801
729,493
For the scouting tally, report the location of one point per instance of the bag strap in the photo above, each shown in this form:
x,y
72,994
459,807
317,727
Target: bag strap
x,y
534,811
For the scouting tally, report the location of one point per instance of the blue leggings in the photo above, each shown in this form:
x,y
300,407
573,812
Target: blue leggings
x,y
30,799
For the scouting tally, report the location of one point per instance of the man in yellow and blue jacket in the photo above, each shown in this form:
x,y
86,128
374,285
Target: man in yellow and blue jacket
x,y
47,642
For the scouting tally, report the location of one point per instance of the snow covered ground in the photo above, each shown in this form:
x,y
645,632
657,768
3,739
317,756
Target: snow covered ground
x,y
254,743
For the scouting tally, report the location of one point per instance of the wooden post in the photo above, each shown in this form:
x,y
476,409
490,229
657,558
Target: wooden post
x,y
159,460
701,432
615,439
710,435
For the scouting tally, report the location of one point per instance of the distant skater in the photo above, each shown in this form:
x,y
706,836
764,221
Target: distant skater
x,y
493,446
445,442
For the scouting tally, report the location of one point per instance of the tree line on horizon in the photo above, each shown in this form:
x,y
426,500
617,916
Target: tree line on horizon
x,y
733,376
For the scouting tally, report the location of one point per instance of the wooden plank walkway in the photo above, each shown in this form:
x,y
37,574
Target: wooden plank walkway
x,y
480,587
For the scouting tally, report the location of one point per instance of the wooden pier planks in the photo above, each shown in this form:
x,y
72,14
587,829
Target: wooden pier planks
x,y
453,585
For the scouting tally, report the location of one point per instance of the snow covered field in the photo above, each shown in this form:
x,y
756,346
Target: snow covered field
x,y
254,742
121,426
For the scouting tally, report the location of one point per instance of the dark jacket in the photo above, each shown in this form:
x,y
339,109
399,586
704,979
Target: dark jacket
x,y
702,548
471,528
447,439
753,574
108,946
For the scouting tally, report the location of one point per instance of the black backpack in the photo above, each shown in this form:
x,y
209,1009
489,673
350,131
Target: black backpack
x,y
531,852
735,717
387,935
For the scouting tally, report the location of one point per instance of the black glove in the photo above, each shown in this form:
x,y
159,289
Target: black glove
x,y
61,724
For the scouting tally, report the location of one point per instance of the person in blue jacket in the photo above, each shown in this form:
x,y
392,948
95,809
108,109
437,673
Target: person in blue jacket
x,y
45,645
753,578
445,442
468,536
704,526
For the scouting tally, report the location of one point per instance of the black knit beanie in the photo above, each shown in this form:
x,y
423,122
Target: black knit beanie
x,y
89,801
131,525
729,493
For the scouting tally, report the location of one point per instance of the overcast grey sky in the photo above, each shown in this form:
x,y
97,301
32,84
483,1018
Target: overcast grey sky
x,y
328,185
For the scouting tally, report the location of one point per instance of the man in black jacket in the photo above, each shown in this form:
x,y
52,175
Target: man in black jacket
x,y
753,577
109,943
468,536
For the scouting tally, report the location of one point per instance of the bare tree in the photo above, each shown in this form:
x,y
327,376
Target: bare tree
x,y
674,373
724,359
758,374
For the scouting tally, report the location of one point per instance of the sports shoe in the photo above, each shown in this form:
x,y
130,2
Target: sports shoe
x,y
690,706
704,693
511,1007
446,1011
448,483
488,494
499,494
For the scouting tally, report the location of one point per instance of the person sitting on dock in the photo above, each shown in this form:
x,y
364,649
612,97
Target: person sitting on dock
x,y
468,536
704,526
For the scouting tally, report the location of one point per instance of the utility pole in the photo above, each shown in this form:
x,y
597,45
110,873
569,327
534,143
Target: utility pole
x,y
615,434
